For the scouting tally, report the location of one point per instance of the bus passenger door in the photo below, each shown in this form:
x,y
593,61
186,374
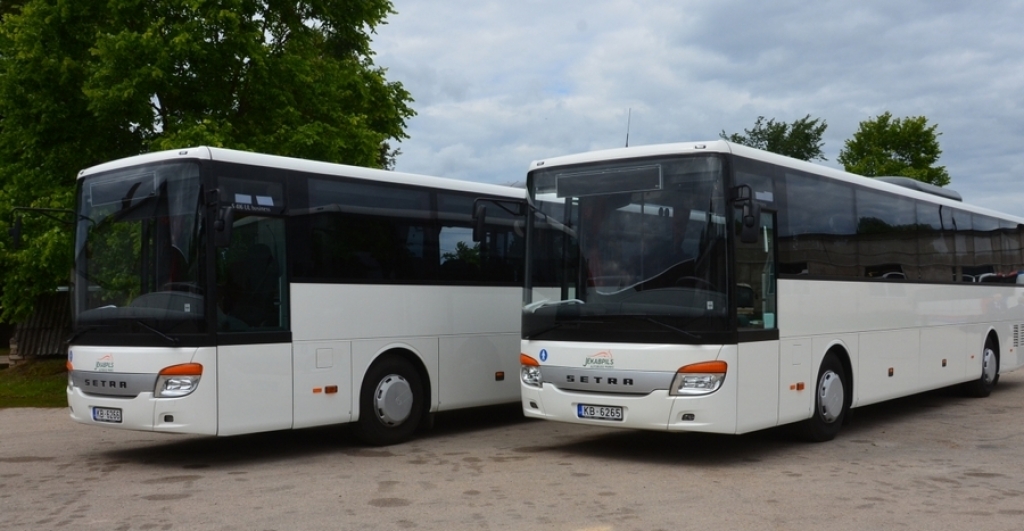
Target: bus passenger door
x,y
254,352
758,338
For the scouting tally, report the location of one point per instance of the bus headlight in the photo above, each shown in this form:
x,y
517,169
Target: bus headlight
x,y
699,379
178,380
530,373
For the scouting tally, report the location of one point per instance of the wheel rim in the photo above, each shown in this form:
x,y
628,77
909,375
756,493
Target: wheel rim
x,y
393,400
988,366
830,396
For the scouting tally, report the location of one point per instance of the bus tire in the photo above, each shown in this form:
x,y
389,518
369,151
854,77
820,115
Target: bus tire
x,y
830,402
984,385
391,402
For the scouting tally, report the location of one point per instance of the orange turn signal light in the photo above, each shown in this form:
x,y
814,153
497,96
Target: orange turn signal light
x,y
713,367
527,360
185,369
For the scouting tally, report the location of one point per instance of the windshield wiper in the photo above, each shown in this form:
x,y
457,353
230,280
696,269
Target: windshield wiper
x,y
80,332
171,340
532,334
534,306
652,320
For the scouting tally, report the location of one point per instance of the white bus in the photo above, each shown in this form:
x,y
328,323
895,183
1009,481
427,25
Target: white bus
x,y
712,287
222,292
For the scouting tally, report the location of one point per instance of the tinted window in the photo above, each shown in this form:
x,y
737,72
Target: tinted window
x,y
366,231
358,231
497,258
886,227
935,243
817,233
833,229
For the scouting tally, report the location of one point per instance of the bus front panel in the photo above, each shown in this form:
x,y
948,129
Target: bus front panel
x,y
144,388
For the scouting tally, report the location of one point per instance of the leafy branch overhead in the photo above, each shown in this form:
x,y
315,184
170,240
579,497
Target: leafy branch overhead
x,y
882,146
86,82
800,140
902,147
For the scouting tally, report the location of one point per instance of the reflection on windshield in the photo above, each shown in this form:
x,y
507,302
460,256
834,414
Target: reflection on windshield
x,y
630,260
138,250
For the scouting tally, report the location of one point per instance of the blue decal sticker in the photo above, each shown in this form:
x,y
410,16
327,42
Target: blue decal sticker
x,y
71,356
543,355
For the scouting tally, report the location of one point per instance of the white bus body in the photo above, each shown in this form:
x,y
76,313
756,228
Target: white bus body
x,y
863,292
220,292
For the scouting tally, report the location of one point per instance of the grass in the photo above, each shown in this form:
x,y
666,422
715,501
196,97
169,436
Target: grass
x,y
38,383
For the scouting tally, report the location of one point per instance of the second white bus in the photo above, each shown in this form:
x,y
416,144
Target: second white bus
x,y
717,288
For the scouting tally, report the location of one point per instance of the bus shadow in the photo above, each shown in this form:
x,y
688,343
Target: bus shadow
x,y
209,452
454,423
704,449
677,449
697,449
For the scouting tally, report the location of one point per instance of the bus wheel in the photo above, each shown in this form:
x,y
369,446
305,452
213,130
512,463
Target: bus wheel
x,y
830,404
391,402
984,385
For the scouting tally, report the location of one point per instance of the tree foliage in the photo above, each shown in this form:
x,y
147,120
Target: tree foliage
x,y
85,82
800,140
903,147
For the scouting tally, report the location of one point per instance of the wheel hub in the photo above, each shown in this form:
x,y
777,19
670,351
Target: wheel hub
x,y
988,366
830,396
393,400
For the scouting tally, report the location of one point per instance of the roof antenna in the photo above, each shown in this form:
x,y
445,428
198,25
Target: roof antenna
x,y
628,116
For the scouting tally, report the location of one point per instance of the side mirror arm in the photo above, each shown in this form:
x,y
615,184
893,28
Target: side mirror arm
x,y
750,214
518,208
53,213
222,226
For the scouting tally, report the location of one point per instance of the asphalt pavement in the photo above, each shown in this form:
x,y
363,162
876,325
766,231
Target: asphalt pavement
x,y
937,461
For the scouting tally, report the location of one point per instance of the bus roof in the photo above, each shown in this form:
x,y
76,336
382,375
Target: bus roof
x,y
723,146
303,165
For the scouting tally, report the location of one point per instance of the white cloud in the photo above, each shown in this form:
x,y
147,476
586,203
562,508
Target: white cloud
x,y
498,84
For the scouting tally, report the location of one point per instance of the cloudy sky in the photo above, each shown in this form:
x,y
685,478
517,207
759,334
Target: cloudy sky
x,y
498,84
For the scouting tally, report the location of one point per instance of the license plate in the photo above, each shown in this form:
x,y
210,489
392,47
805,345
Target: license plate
x,y
585,411
106,414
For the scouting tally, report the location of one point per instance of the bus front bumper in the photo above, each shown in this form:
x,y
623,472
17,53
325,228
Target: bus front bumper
x,y
144,413
713,413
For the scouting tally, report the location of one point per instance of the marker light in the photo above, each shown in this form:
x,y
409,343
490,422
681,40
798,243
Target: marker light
x,y
178,380
530,373
699,379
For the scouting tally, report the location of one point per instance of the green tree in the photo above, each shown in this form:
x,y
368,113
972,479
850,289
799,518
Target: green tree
x,y
800,140
464,253
84,82
9,6
902,147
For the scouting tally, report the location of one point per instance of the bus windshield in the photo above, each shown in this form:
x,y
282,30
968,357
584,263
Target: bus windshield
x,y
139,252
624,249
